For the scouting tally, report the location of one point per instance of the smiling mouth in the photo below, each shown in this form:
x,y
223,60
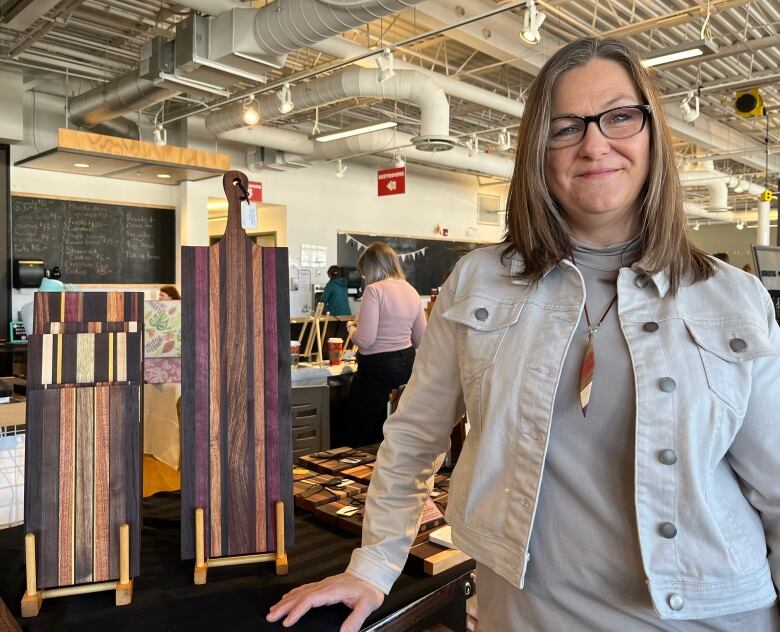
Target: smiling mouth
x,y
598,173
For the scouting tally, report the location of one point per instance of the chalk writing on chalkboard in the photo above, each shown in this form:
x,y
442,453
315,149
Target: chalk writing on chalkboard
x,y
96,242
426,262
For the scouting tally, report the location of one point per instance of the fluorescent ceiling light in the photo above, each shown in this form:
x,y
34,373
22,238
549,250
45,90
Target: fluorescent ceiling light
x,y
355,130
81,165
687,50
163,176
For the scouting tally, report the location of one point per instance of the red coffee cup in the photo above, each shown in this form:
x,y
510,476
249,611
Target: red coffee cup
x,y
335,346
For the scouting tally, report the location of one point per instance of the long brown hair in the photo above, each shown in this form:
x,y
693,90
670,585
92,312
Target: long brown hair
x,y
535,226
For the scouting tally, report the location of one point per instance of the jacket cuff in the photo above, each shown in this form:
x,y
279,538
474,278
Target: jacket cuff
x,y
371,568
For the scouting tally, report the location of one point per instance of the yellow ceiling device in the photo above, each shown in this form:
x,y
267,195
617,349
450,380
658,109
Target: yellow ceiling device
x,y
749,104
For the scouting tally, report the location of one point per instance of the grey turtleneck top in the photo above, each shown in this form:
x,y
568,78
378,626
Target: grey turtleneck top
x,y
585,573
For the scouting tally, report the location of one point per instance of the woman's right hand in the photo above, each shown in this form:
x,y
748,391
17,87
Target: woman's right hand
x,y
355,593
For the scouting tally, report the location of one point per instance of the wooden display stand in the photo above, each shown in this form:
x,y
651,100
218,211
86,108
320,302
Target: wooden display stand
x,y
31,601
319,327
202,564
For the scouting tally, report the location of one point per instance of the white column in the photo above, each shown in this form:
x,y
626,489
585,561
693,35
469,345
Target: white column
x,y
762,237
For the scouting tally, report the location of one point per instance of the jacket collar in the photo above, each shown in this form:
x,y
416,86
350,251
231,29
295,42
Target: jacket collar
x,y
659,279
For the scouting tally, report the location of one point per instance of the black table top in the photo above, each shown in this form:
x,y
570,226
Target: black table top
x,y
233,600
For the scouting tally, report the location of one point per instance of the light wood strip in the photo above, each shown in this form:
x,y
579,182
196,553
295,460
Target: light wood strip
x,y
259,399
84,484
101,493
47,353
67,481
111,357
59,360
85,358
121,357
215,416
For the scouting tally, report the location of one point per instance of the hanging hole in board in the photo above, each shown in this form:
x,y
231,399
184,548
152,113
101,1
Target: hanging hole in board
x,y
242,188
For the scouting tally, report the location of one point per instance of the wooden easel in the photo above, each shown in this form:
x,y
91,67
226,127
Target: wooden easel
x,y
31,601
346,344
315,333
202,564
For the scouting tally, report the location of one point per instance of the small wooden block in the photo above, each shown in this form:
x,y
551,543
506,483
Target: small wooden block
x,y
124,594
200,574
31,604
435,559
281,565
7,621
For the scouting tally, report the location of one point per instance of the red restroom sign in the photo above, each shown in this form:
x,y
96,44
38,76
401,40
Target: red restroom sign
x,y
255,191
391,181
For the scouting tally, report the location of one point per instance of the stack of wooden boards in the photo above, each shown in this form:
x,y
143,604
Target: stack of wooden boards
x,y
83,460
332,485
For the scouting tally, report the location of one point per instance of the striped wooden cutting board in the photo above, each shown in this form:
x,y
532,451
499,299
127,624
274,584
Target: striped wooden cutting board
x,y
236,421
82,463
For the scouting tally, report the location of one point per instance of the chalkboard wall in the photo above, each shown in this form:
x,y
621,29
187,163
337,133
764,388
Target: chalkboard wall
x,y
96,242
426,262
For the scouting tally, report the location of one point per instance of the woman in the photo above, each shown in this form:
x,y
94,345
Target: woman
x,y
389,328
335,293
660,493
168,293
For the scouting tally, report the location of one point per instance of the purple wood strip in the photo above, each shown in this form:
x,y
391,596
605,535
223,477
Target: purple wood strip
x,y
284,437
257,418
72,306
67,454
216,413
271,390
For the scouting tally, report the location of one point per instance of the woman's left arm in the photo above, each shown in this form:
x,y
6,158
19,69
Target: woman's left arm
x,y
418,326
755,453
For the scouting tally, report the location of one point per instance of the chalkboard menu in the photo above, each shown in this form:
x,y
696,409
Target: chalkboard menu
x,y
96,242
426,262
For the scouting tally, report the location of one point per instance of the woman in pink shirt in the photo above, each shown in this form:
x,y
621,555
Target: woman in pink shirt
x,y
389,328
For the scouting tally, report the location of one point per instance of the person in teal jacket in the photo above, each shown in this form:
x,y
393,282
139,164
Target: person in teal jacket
x,y
335,294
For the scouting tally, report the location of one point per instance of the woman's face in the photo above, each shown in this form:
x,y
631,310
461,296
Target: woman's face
x,y
598,181
163,296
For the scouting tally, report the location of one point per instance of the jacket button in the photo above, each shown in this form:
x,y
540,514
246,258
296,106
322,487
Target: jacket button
x,y
737,345
676,602
667,384
642,280
667,457
650,327
481,313
668,530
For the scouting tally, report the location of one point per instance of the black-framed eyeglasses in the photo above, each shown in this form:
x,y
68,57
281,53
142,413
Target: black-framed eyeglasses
x,y
616,123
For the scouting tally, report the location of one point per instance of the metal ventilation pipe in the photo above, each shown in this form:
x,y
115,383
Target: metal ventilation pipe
x,y
280,28
406,85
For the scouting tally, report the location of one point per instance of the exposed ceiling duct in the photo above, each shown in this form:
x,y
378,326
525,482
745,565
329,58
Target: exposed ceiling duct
x,y
276,29
406,85
342,48
718,184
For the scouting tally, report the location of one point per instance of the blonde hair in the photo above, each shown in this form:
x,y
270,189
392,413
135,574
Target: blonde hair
x,y
378,262
536,228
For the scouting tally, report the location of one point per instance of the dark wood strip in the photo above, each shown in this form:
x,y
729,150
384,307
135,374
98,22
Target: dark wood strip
x,y
67,481
72,306
102,488
224,461
202,399
284,440
257,420
271,390
94,307
134,357
68,361
118,482
240,472
34,360
101,357
84,485
133,408
215,408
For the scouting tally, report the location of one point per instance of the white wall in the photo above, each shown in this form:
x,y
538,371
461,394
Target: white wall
x,y
318,203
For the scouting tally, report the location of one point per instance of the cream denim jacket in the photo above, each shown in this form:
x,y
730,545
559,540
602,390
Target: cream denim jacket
x,y
707,460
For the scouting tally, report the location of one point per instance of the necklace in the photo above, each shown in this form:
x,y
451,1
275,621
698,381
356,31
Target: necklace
x,y
588,368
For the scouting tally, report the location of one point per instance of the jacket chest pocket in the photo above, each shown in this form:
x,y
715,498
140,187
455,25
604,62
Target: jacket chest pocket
x,y
483,323
726,352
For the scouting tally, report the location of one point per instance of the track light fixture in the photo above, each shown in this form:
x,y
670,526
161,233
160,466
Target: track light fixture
x,y
696,226
160,135
472,144
532,22
284,95
341,169
384,63
398,160
690,107
249,114
740,225
503,143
